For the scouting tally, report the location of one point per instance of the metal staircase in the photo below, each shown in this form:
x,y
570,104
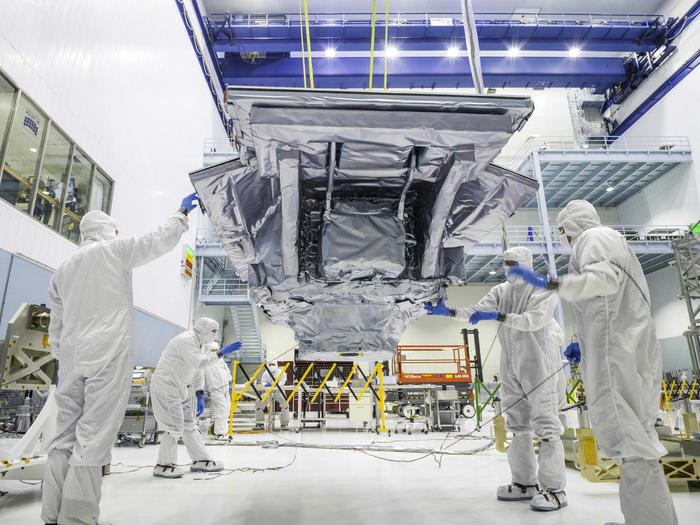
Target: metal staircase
x,y
245,322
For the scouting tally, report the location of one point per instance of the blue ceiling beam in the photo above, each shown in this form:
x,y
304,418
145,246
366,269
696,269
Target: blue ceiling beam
x,y
281,45
635,34
428,72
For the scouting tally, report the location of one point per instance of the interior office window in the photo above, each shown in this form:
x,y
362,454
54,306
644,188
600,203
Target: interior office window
x,y
7,100
52,179
22,155
100,193
76,195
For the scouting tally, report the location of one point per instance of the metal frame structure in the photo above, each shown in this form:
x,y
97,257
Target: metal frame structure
x,y
687,253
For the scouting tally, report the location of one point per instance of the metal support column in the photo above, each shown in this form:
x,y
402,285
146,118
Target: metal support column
x,y
546,230
687,252
472,40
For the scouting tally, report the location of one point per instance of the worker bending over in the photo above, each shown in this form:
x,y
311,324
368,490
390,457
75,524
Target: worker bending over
x,y
91,336
217,380
183,360
529,386
620,356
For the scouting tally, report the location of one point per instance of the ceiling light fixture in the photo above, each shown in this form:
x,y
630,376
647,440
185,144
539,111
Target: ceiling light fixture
x,y
492,272
391,52
453,51
329,52
33,150
574,52
610,188
513,52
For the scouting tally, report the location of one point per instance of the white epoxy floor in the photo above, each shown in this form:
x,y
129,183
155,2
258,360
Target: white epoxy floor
x,y
330,487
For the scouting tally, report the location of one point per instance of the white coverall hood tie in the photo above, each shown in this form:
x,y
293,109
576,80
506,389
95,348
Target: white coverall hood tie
x,y
577,217
96,226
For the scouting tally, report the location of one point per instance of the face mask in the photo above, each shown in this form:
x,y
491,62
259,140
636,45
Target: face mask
x,y
206,337
510,278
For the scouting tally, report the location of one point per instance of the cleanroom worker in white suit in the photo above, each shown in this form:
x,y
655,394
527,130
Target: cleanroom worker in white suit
x,y
529,387
217,380
184,359
620,356
91,334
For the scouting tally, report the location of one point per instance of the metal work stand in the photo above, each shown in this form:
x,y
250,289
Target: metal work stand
x,y
479,384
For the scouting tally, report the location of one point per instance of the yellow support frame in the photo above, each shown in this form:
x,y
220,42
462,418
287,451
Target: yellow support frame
x,y
234,399
347,381
323,383
274,384
369,379
296,387
382,398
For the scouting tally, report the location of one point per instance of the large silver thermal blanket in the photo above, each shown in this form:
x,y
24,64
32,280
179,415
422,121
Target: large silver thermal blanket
x,y
346,211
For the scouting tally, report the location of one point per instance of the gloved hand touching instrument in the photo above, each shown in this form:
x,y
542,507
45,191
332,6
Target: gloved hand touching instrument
x,y
486,316
230,348
189,203
533,278
573,353
440,308
200,402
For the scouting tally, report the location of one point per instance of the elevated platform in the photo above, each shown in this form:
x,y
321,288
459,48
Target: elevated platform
x,y
604,171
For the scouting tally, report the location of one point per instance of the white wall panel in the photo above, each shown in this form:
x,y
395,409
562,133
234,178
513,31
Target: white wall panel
x,y
121,78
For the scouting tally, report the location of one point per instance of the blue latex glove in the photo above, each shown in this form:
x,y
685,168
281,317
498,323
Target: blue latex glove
x,y
439,309
190,202
530,277
230,388
573,353
200,403
485,316
229,349
268,385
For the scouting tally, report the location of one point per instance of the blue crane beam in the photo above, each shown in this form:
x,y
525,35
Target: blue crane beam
x,y
237,33
427,72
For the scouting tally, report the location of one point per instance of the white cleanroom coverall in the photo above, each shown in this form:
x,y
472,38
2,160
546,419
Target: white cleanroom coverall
x,y
526,361
217,378
275,397
181,364
91,334
620,358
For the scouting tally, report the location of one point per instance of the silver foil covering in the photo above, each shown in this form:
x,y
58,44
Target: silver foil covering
x,y
346,211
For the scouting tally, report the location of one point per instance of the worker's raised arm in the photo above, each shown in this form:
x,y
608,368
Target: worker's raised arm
x,y
142,249
601,260
488,302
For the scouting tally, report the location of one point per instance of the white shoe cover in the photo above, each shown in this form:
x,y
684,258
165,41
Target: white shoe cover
x,y
206,465
546,500
516,492
167,471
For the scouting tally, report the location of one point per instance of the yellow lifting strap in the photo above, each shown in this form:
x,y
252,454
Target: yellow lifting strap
x,y
323,383
371,45
301,38
274,384
369,379
296,387
308,44
347,381
386,40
